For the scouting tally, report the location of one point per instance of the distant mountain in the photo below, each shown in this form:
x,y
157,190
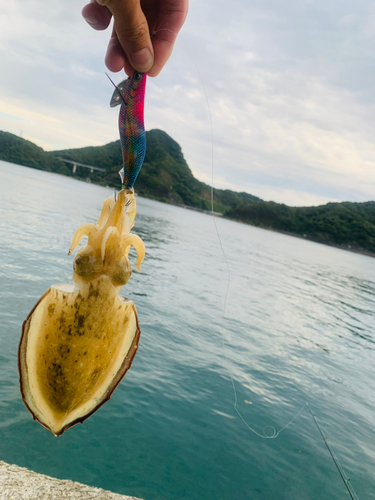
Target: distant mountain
x,y
165,176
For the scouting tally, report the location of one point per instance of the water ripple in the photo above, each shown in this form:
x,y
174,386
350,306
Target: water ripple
x,y
298,327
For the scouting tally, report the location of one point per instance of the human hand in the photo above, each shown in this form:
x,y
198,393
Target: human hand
x,y
131,46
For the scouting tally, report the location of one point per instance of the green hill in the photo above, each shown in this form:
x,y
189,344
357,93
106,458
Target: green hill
x,y
165,176
349,225
14,149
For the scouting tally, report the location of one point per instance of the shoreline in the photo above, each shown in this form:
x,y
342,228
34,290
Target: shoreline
x,y
286,233
215,214
306,238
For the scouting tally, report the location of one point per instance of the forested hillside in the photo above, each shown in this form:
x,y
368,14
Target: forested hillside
x,y
165,175
350,225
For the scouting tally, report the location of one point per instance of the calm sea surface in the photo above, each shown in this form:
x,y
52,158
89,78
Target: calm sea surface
x,y
299,326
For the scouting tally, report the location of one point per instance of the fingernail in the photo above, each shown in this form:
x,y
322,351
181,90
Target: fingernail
x,y
142,60
92,20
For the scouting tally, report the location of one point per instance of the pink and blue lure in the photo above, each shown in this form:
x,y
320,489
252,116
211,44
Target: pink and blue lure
x,y
130,93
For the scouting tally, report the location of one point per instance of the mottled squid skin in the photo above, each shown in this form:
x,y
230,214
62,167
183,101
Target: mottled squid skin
x,y
79,340
75,348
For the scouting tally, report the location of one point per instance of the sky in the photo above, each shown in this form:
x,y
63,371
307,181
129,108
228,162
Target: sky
x,y
289,87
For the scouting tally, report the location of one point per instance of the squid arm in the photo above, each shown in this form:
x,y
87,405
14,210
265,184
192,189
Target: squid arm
x,y
109,231
112,240
133,239
106,211
84,230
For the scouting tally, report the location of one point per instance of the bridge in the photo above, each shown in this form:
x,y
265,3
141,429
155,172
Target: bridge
x,y
77,164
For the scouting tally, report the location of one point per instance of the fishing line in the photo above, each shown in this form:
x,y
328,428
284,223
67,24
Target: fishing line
x,y
339,467
273,434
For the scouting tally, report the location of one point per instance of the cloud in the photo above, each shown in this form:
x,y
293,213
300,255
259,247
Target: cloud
x,y
289,89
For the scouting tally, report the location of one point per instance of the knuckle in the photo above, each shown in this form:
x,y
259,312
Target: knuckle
x,y
134,33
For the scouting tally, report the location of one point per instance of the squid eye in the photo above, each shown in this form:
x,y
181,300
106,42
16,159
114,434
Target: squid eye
x,y
137,76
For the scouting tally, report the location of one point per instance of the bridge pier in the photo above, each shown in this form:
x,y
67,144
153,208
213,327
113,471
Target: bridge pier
x,y
74,168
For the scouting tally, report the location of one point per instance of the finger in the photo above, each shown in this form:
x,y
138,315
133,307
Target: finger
x,y
163,42
150,9
115,58
132,32
171,19
97,16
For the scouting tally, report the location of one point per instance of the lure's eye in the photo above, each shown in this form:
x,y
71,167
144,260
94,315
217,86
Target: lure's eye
x,y
137,76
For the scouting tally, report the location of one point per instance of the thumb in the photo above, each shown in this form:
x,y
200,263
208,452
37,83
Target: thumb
x,y
132,31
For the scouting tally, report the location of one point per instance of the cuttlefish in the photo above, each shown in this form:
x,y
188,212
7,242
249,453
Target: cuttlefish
x,y
79,340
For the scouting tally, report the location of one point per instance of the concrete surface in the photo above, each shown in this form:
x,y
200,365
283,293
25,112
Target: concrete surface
x,y
18,483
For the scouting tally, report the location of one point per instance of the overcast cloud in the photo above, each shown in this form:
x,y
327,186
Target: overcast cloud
x,y
290,88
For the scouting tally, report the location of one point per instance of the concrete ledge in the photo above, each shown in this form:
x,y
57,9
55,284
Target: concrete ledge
x,y
18,483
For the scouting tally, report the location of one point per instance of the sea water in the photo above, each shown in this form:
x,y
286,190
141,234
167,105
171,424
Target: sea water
x,y
298,327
